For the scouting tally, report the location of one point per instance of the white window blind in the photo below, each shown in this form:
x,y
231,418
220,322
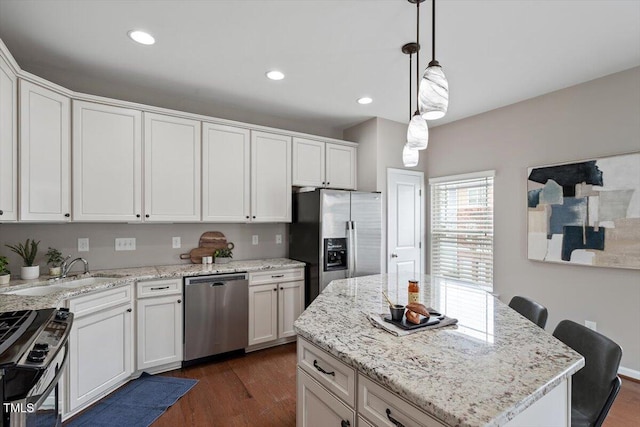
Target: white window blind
x,y
462,227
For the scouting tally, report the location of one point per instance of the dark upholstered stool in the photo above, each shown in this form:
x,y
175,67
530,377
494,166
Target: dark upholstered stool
x,y
530,309
594,387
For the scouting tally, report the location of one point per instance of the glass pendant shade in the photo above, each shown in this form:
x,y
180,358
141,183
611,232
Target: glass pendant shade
x,y
433,95
417,133
410,156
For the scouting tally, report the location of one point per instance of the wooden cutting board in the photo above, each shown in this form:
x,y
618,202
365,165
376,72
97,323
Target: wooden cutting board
x,y
209,242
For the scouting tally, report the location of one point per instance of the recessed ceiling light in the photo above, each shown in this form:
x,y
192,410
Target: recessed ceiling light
x,y
141,37
275,75
365,100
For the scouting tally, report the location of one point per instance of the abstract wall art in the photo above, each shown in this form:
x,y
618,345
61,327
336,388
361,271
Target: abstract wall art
x,y
586,212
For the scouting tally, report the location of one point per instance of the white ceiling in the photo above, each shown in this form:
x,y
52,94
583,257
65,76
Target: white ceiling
x,y
494,52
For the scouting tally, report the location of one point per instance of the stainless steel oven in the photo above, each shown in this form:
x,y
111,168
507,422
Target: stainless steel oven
x,y
33,354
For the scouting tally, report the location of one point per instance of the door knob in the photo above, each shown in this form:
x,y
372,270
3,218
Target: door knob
x,y
394,255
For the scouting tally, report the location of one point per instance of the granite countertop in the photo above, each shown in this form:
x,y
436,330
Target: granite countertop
x,y
485,370
125,276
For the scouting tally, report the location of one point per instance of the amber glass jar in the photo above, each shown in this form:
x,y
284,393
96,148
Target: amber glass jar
x,y
414,291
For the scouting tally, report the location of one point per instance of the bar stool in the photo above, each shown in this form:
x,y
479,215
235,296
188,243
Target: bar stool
x,y
530,309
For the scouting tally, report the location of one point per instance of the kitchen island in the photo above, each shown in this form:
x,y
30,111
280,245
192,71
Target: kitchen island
x,y
493,368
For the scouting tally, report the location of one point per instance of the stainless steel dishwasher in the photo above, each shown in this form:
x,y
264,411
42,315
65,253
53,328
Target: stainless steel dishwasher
x,y
216,314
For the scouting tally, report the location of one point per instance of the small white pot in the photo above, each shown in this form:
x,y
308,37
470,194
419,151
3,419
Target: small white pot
x,y
222,260
4,279
55,271
32,272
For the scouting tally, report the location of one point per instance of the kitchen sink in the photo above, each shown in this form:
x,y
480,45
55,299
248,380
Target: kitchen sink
x,y
61,286
36,291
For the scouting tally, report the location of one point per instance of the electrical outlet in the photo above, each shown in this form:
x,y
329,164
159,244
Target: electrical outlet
x,y
128,244
254,239
278,239
83,244
175,243
590,324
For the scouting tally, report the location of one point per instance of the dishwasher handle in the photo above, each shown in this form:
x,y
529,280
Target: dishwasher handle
x,y
217,284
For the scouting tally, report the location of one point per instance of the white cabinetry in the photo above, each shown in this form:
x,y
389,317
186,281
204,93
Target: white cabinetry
x,y
100,346
323,164
276,299
159,325
8,143
226,173
316,407
107,160
270,177
45,170
171,169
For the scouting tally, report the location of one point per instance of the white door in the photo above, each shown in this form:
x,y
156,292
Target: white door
x,y
107,163
45,156
270,177
405,222
290,306
316,407
341,166
171,169
263,313
159,331
8,144
226,173
308,163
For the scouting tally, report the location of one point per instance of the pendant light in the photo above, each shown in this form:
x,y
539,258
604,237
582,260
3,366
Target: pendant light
x,y
418,131
433,95
410,156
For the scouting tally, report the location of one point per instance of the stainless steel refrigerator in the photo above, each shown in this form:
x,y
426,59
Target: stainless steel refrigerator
x,y
338,234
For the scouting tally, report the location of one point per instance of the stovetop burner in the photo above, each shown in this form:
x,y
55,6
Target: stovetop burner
x,y
12,326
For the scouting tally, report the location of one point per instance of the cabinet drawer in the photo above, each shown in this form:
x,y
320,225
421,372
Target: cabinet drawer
x,y
339,378
96,301
379,406
276,276
155,288
317,407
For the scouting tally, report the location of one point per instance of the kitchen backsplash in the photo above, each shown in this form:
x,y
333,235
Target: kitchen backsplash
x,y
153,242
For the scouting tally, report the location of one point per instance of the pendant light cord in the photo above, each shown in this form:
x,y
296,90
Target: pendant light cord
x,y
417,56
410,81
433,26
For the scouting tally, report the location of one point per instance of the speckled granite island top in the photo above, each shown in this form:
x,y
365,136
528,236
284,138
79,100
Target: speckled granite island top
x,y
485,370
129,275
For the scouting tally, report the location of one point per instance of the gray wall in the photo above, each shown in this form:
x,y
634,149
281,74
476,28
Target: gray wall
x,y
153,242
597,118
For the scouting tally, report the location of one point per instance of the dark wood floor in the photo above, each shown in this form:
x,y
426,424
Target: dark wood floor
x,y
259,390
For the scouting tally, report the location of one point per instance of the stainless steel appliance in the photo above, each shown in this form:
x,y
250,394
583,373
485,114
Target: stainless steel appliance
x,y
216,315
338,234
33,354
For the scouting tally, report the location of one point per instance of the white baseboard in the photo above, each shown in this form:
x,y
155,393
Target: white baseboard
x,y
629,373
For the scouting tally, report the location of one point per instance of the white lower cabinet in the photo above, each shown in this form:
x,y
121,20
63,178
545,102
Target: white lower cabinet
x,y
276,299
317,407
100,344
159,325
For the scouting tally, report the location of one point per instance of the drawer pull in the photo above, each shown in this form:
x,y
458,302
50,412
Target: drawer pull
x,y
277,276
315,364
345,423
393,420
160,288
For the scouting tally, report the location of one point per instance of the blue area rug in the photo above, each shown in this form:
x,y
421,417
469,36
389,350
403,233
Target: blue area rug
x,y
138,403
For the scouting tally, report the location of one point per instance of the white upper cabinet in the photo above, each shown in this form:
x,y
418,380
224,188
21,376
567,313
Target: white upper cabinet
x,y
107,160
45,170
171,169
323,164
341,166
270,177
8,144
226,173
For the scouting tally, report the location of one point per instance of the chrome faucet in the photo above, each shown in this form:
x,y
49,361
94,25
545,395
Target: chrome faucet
x,y
66,267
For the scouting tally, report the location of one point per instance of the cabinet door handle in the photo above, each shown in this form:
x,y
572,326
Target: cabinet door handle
x,y
129,310
394,255
254,217
275,289
67,215
281,288
146,216
345,423
137,215
247,216
315,364
179,301
159,288
393,420
277,276
1,211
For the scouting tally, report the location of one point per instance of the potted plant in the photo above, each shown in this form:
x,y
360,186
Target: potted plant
x,y
5,274
27,252
54,260
223,256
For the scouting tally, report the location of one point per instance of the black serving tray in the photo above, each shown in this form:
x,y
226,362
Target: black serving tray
x,y
403,324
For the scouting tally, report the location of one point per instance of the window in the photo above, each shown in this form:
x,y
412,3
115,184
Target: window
x,y
462,227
